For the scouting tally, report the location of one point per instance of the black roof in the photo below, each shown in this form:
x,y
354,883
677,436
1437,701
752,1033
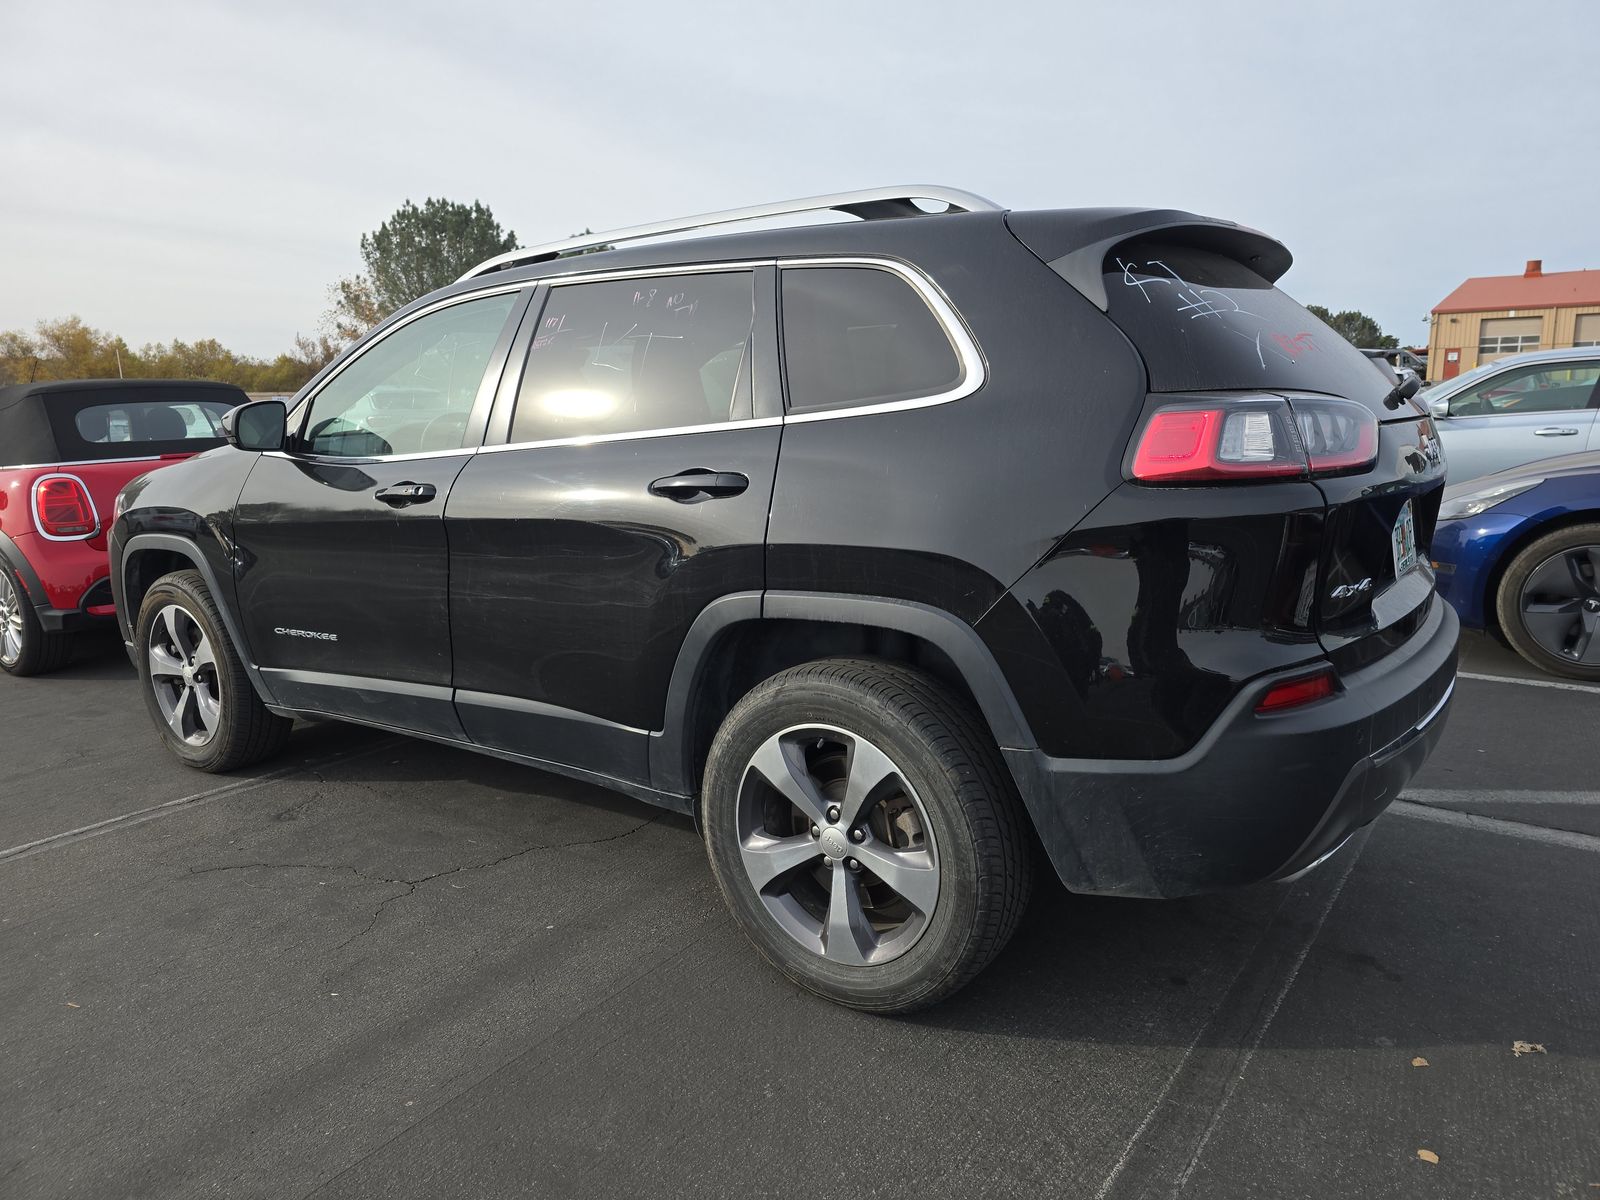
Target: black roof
x,y
1071,234
1072,240
45,387
29,436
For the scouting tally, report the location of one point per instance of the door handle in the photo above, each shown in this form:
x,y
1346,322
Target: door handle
x,y
699,484
1555,431
400,494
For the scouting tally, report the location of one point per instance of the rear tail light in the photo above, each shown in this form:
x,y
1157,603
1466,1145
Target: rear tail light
x,y
62,508
1338,436
1296,692
1254,439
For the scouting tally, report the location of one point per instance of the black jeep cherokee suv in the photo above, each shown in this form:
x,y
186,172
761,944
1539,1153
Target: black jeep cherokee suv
x,y
885,548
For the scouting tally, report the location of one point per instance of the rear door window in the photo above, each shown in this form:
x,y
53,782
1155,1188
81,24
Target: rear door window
x,y
635,355
1202,321
861,335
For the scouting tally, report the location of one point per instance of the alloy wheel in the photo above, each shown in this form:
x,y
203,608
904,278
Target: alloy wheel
x,y
1560,605
837,845
11,627
183,672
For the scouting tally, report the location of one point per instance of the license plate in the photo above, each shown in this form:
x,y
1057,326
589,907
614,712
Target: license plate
x,y
1405,541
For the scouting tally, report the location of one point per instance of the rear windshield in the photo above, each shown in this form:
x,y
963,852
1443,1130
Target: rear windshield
x,y
1205,322
143,422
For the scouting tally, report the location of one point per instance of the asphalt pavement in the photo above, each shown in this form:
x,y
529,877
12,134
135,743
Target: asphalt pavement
x,y
381,968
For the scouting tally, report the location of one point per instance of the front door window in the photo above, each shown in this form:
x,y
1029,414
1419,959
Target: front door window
x,y
413,391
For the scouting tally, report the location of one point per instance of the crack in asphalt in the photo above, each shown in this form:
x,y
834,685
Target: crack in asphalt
x,y
410,885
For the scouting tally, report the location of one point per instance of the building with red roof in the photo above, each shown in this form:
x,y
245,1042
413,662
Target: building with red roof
x,y
1495,315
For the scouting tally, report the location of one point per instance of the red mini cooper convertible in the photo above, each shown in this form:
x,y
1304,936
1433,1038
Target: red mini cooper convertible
x,y
66,449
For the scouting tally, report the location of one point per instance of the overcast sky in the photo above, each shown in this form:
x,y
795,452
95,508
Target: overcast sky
x,y
206,170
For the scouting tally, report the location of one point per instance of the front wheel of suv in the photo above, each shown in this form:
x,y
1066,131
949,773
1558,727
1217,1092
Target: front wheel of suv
x,y
26,647
195,684
1548,604
866,833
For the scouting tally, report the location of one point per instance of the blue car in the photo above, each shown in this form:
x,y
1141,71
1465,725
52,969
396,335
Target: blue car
x,y
1518,553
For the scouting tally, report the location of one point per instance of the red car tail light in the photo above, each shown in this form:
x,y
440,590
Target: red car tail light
x,y
1296,692
63,509
1254,439
1245,441
1338,435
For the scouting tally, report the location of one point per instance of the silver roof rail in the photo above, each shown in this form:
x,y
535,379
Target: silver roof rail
x,y
868,204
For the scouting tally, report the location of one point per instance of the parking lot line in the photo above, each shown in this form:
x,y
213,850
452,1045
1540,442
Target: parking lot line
x,y
1544,683
1187,1091
168,808
1496,825
1445,797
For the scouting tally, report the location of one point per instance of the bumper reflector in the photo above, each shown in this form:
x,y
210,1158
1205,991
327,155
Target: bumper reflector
x,y
1296,692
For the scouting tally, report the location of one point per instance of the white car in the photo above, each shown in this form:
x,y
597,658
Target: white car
x,y
1518,409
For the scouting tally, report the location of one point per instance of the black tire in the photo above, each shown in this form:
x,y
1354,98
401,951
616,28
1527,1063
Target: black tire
x,y
244,732
944,751
41,650
1509,600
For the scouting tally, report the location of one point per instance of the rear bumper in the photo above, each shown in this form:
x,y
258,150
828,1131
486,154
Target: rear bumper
x,y
1259,797
75,591
74,620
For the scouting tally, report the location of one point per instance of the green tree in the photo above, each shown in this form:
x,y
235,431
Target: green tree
x,y
69,349
1356,328
420,249
63,349
354,308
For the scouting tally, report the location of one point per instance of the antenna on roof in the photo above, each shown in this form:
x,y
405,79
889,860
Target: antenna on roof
x,y
869,204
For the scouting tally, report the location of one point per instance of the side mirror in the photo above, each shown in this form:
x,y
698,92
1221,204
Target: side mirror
x,y
1439,408
260,425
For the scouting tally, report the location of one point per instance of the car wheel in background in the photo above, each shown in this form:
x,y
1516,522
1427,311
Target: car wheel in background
x,y
866,833
195,685
26,647
1548,604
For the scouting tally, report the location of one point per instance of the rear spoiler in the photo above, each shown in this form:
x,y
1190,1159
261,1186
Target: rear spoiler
x,y
1075,242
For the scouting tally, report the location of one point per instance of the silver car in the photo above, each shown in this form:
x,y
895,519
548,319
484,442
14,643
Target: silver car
x,y
1517,409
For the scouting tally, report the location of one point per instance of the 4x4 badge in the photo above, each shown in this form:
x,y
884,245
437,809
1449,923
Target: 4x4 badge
x,y
1345,590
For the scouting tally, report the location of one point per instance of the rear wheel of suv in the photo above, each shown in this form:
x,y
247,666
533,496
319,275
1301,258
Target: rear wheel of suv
x,y
1549,602
26,647
195,685
865,833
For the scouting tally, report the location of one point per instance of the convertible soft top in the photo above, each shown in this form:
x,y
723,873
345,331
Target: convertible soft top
x,y
38,425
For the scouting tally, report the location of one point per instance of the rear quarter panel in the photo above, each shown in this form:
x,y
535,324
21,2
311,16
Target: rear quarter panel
x,y
947,505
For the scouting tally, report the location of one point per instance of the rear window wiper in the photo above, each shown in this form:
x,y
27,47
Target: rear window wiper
x,y
1403,391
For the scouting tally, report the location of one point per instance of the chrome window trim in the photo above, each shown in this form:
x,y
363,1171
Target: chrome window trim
x,y
635,435
38,525
336,460
973,374
309,401
92,462
566,278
